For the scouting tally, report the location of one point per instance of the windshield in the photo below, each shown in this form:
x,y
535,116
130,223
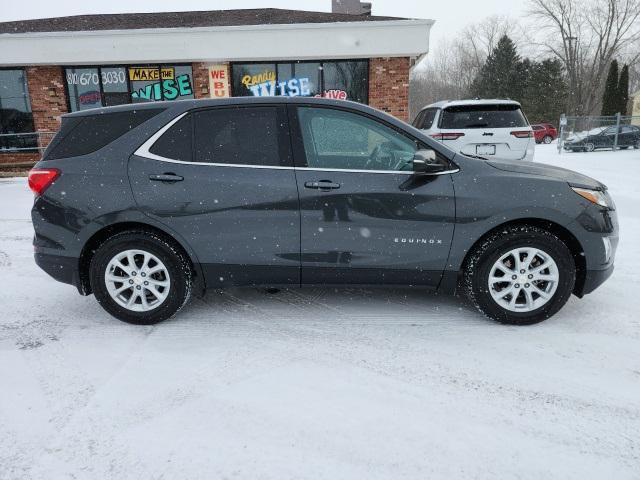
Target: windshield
x,y
483,116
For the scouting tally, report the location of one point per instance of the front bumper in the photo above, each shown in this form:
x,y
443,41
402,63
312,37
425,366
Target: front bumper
x,y
593,279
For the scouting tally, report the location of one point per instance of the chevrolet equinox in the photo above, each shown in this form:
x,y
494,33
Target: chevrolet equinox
x,y
143,205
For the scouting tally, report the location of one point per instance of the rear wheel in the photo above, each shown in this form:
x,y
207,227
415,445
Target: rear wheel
x,y
520,275
140,278
547,139
637,144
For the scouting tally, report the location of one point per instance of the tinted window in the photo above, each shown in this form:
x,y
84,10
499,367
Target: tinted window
x,y
345,140
247,136
426,118
176,143
83,135
482,116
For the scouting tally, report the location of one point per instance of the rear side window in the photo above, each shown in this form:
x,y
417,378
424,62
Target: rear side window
x,y
87,134
242,136
426,118
482,116
176,143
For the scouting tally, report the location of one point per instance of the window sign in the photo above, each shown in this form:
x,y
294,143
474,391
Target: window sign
x,y
115,88
92,87
341,80
156,83
218,81
84,88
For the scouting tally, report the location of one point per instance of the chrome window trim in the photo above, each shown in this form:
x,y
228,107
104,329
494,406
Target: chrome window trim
x,y
143,151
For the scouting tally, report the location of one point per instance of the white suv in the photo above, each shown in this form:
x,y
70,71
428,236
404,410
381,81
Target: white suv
x,y
484,128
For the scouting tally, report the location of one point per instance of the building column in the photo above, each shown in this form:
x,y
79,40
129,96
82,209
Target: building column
x,y
48,97
389,85
201,80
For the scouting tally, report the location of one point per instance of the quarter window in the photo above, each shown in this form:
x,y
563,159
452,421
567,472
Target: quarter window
x,y
176,143
241,136
426,119
15,112
338,139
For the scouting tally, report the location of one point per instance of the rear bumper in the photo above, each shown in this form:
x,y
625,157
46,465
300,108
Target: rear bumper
x,y
63,269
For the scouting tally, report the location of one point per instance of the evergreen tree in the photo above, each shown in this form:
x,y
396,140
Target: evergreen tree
x,y
610,98
503,75
546,93
623,90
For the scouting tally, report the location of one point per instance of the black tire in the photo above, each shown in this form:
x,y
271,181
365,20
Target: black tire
x,y
589,147
478,265
637,144
547,139
177,264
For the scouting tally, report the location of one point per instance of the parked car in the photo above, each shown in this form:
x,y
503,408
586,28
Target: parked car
x,y
487,128
143,205
544,133
604,137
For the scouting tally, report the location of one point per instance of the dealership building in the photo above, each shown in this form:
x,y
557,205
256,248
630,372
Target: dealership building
x,y
52,66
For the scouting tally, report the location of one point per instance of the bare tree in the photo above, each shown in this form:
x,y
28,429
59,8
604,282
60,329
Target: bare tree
x,y
449,72
586,35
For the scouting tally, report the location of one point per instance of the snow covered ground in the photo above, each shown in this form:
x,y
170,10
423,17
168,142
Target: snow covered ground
x,y
318,383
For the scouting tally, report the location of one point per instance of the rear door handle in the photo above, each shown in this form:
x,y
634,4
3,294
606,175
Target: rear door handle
x,y
166,177
324,185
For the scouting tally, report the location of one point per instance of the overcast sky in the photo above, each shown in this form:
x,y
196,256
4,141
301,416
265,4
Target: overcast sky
x,y
450,15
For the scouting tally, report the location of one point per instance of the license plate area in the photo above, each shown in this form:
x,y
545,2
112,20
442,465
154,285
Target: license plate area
x,y
485,149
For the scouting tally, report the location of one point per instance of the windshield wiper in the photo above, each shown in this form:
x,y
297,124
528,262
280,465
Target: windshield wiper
x,y
475,156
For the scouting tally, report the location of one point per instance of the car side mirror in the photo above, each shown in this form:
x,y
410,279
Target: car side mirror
x,y
426,161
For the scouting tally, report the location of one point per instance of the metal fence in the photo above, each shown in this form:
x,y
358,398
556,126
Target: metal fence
x,y
585,134
25,142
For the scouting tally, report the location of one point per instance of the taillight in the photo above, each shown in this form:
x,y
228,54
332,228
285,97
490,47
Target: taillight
x,y
41,178
522,133
447,136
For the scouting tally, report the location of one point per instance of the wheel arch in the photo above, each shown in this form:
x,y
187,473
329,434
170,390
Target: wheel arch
x,y
103,234
574,245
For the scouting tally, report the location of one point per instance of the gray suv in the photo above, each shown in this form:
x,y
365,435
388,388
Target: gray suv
x,y
143,205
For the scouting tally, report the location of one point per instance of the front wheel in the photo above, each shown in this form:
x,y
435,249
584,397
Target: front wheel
x,y
520,275
589,147
140,277
547,139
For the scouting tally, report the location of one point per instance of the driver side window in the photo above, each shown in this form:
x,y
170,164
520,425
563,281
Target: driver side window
x,y
337,139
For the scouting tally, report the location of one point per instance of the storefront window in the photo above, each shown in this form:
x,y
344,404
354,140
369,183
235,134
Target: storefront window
x,y
115,89
94,87
15,112
84,88
254,79
342,80
347,79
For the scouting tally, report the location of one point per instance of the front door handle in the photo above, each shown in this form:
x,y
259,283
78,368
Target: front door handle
x,y
324,185
166,177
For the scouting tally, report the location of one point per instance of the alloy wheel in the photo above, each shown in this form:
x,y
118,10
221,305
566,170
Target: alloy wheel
x,y
523,279
137,280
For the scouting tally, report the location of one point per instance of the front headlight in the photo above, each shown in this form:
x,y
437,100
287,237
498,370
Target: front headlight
x,y
594,196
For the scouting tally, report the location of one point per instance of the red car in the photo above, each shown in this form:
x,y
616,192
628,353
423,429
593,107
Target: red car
x,y
544,133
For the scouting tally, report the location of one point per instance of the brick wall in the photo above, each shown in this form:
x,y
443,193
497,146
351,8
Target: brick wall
x,y
389,85
48,102
200,80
